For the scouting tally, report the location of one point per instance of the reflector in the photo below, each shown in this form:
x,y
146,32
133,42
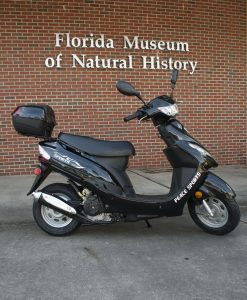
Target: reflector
x,y
198,194
37,171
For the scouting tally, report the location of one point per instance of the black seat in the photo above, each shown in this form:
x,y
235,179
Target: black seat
x,y
97,147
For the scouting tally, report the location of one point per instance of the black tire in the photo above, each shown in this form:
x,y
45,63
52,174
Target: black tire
x,y
46,218
229,209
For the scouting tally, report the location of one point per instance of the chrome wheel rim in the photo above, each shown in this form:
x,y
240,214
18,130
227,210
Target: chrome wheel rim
x,y
219,210
53,217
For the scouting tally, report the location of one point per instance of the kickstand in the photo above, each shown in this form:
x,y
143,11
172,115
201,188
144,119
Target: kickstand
x,y
148,224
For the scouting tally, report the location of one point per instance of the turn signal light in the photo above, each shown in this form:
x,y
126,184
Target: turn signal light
x,y
37,171
198,195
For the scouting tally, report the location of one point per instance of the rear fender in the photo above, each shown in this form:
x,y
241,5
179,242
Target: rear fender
x,y
214,186
45,171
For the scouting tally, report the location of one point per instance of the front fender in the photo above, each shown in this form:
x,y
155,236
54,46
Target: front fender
x,y
214,186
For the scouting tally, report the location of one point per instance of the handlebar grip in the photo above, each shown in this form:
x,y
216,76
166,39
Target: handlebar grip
x,y
133,116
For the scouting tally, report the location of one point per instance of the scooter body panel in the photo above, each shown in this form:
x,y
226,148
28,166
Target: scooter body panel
x,y
170,204
80,168
114,185
175,135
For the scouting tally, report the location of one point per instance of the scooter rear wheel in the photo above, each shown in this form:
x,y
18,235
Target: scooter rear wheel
x,y
226,215
51,221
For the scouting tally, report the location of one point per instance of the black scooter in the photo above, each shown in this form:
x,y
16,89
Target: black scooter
x,y
99,190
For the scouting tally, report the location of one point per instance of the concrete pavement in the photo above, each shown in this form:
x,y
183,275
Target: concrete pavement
x,y
172,260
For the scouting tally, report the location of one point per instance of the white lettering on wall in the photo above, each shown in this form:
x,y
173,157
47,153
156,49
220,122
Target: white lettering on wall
x,y
137,43
62,39
51,62
100,41
105,63
155,62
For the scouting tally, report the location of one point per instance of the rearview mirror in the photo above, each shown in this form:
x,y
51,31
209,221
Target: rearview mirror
x,y
174,77
127,89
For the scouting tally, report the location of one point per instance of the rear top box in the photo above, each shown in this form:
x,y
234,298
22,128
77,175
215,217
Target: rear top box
x,y
34,120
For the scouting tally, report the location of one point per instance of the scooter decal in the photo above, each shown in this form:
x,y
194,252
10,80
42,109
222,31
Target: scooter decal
x,y
188,188
67,160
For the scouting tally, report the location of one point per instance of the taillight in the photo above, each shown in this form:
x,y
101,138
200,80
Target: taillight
x,y
37,171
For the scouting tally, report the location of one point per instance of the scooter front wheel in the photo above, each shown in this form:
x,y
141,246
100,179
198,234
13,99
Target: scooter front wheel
x,y
225,218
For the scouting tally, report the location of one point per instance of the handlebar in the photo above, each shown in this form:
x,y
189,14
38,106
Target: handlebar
x,y
133,116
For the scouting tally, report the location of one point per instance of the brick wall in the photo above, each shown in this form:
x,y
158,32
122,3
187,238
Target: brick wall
x,y
86,101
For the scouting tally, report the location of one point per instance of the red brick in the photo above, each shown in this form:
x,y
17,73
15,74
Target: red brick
x,y
86,101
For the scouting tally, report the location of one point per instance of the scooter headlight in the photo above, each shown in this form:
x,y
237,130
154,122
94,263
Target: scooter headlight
x,y
171,110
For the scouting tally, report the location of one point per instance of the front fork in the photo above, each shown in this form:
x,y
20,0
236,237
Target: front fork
x,y
208,209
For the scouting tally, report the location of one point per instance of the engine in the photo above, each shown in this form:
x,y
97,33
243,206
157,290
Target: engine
x,y
94,207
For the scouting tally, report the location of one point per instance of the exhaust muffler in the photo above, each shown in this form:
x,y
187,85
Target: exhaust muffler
x,y
62,207
54,203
